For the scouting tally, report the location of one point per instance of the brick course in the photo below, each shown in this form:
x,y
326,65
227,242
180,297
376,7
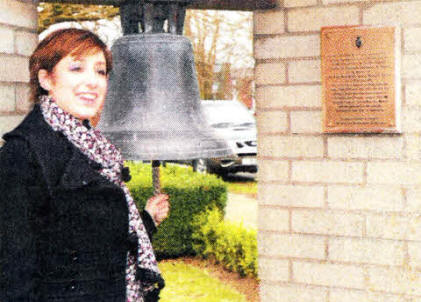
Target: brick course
x,y
280,273
269,22
7,96
394,280
287,47
9,122
304,71
292,293
412,40
295,246
298,19
327,222
16,13
327,172
271,170
298,3
292,146
356,250
292,196
273,121
270,73
25,42
338,295
398,12
373,198
306,122
405,173
23,102
413,93
14,69
328,274
289,96
408,63
394,226
7,40
273,219
381,147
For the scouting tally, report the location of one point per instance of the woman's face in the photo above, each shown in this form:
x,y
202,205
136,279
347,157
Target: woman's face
x,y
78,84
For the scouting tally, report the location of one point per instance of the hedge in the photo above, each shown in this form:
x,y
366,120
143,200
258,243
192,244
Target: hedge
x,y
229,243
190,194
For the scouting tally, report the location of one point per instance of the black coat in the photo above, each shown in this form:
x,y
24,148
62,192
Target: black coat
x,y
63,226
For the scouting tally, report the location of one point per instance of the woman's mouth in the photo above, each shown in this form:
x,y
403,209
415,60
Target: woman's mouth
x,y
88,97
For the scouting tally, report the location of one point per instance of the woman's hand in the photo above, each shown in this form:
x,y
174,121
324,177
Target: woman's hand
x,y
158,207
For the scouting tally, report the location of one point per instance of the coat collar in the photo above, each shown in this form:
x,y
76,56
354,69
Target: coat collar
x,y
62,163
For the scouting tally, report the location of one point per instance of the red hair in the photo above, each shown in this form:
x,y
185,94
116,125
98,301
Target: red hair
x,y
56,46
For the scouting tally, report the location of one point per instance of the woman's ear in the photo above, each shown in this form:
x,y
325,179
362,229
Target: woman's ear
x,y
44,79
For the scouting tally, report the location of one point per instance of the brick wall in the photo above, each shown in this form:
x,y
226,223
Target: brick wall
x,y
18,25
339,215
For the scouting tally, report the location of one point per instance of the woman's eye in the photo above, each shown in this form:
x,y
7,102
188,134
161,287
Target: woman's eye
x,y
102,72
75,68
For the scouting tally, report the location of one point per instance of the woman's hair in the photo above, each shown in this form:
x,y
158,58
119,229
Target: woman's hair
x,y
56,46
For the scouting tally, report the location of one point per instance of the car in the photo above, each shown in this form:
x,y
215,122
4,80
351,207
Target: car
x,y
234,122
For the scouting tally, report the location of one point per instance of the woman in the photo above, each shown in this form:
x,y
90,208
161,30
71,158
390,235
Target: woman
x,y
69,228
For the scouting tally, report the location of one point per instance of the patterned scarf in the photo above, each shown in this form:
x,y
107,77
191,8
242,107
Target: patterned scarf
x,y
96,147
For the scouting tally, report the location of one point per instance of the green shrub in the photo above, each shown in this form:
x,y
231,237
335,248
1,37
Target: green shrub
x,y
190,194
230,244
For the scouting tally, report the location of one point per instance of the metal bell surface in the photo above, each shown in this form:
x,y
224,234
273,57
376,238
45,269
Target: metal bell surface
x,y
152,110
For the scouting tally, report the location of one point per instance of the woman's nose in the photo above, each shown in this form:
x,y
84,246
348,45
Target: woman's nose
x,y
92,78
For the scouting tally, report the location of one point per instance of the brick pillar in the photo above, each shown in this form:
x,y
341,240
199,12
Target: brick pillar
x,y
339,215
18,32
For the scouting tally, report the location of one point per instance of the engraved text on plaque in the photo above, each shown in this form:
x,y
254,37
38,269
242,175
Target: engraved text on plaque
x,y
360,79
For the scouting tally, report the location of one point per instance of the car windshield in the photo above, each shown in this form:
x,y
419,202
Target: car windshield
x,y
227,114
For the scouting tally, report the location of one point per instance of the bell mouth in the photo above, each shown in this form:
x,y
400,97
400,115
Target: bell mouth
x,y
169,146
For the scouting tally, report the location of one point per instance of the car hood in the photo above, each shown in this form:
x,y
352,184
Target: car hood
x,y
235,133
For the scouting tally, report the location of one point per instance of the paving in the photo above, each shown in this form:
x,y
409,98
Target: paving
x,y
241,208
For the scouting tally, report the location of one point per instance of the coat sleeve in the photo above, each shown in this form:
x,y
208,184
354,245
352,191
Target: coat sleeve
x,y
148,223
19,195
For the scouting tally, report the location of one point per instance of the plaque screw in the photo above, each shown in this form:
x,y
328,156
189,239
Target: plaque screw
x,y
358,42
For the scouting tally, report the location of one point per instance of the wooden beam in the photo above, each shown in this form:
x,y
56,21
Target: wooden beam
x,y
245,5
87,2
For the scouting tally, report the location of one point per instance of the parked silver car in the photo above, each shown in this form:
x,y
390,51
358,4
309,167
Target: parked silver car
x,y
233,121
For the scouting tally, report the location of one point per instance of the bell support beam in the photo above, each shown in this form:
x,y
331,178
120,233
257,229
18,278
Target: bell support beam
x,y
244,5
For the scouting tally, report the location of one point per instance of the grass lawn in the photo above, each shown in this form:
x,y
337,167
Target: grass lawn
x,y
247,187
187,283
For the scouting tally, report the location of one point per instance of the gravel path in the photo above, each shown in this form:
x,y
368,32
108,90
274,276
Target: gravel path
x,y
241,208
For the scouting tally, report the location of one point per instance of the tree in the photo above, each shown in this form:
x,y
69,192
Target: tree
x,y
244,86
203,34
224,83
52,13
221,41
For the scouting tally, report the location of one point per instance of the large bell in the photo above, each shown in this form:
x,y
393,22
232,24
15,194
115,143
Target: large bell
x,y
153,111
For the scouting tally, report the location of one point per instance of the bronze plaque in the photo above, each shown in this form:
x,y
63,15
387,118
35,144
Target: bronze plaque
x,y
360,79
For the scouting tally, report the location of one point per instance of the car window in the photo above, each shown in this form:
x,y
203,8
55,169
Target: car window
x,y
245,125
222,125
